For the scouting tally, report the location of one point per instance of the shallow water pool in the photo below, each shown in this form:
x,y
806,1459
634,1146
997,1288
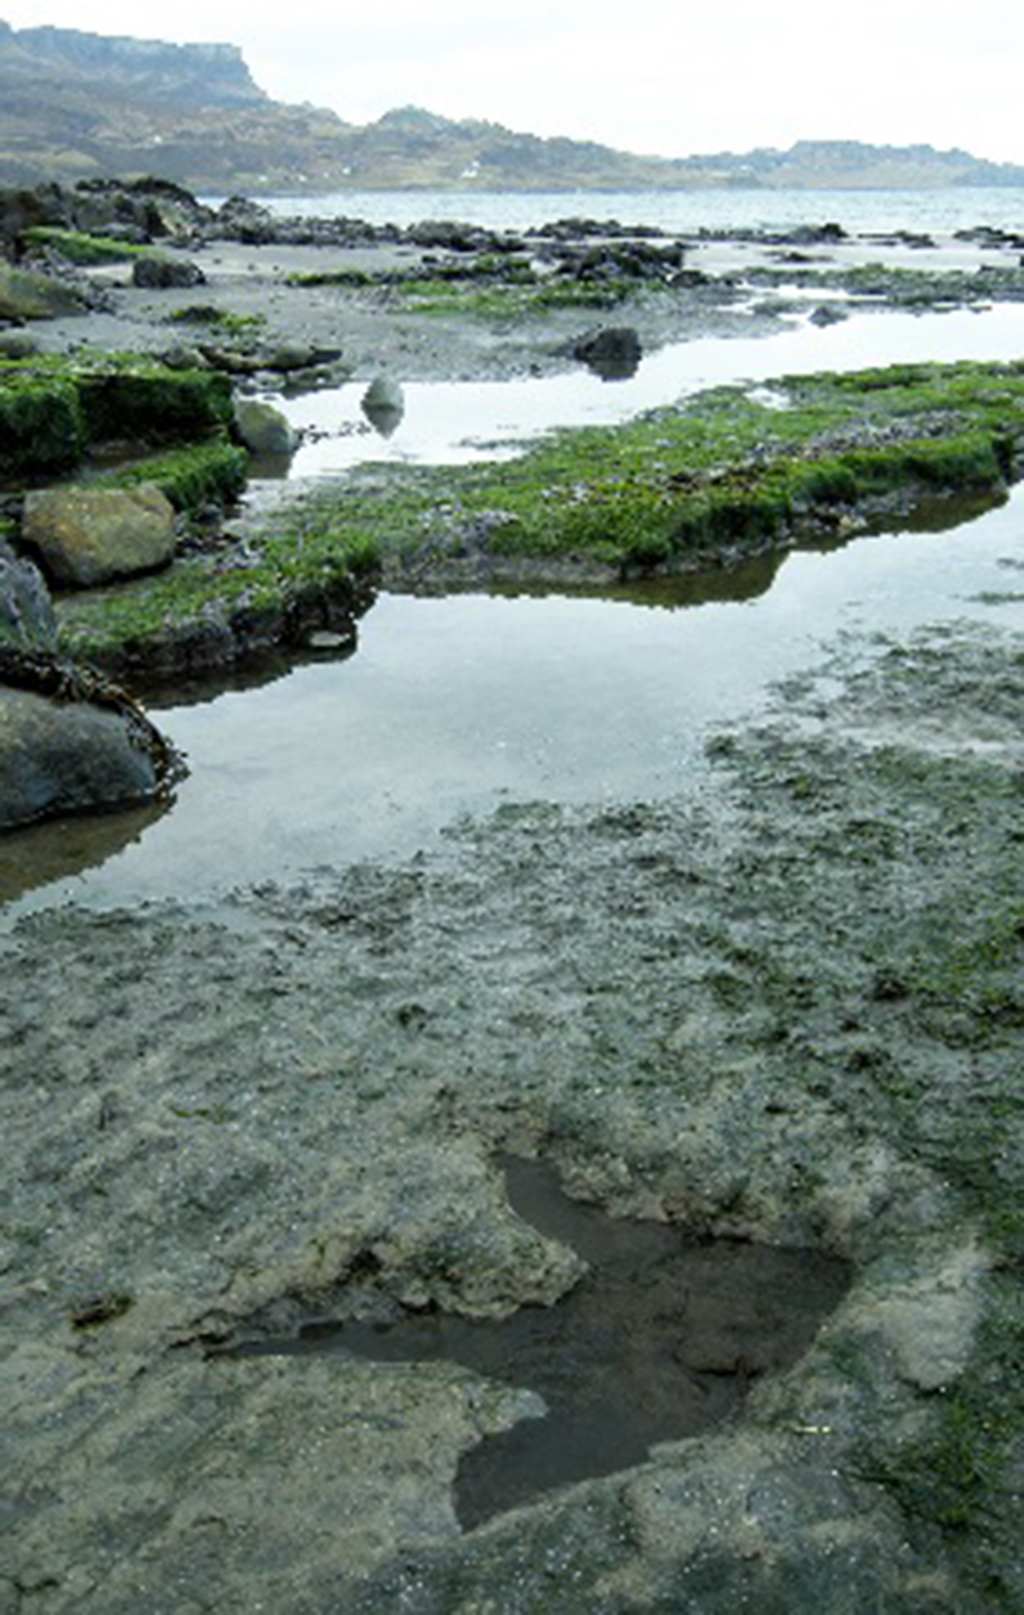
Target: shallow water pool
x,y
458,705
449,423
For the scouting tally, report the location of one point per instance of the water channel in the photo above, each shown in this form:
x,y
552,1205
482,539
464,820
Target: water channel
x,y
455,705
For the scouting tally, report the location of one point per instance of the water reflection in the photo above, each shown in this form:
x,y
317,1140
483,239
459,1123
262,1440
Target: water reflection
x,y
383,404
661,1340
746,581
614,354
64,848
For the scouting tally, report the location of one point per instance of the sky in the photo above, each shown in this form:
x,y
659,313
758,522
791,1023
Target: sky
x,y
652,76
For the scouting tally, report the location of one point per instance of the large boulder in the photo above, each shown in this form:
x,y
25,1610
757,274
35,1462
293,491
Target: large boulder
x,y
89,536
161,273
59,757
263,429
69,742
26,295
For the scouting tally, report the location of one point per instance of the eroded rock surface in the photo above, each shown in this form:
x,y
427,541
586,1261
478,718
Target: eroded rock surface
x,y
758,1016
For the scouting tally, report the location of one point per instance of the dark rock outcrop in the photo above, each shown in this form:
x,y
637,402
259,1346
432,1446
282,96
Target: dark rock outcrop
x,y
613,353
27,621
70,742
162,273
60,757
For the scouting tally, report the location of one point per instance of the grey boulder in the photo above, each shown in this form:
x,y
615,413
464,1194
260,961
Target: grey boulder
x,y
160,274
26,611
59,757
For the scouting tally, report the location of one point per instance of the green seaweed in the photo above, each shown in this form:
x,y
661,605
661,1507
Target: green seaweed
x,y
118,628
78,247
211,472
42,423
517,298
146,401
52,411
219,319
715,478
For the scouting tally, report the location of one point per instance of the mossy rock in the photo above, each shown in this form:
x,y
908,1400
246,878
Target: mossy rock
x,y
52,411
143,401
27,296
86,536
263,429
200,474
42,424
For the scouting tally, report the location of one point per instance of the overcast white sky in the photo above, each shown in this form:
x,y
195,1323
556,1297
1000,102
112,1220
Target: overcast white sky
x,y
658,76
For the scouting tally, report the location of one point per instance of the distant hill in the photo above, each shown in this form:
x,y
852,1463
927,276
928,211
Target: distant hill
x,y
76,105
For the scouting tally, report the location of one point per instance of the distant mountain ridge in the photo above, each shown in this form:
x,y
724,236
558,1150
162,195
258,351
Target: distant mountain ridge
x,y
76,105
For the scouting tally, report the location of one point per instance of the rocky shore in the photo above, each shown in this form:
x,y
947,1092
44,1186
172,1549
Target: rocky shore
x,y
786,1015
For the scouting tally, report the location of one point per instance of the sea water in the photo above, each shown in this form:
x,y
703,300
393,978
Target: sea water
x,y
942,211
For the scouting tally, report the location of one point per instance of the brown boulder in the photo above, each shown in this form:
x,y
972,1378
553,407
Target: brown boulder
x,y
89,536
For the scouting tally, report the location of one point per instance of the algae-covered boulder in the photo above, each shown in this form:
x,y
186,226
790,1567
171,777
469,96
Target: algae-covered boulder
x,y
262,428
27,620
51,413
85,536
16,344
42,425
25,295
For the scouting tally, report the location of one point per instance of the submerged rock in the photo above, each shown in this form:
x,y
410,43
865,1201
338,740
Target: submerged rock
x,y
88,536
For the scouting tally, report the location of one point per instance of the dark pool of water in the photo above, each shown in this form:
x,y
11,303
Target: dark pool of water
x,y
660,1341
